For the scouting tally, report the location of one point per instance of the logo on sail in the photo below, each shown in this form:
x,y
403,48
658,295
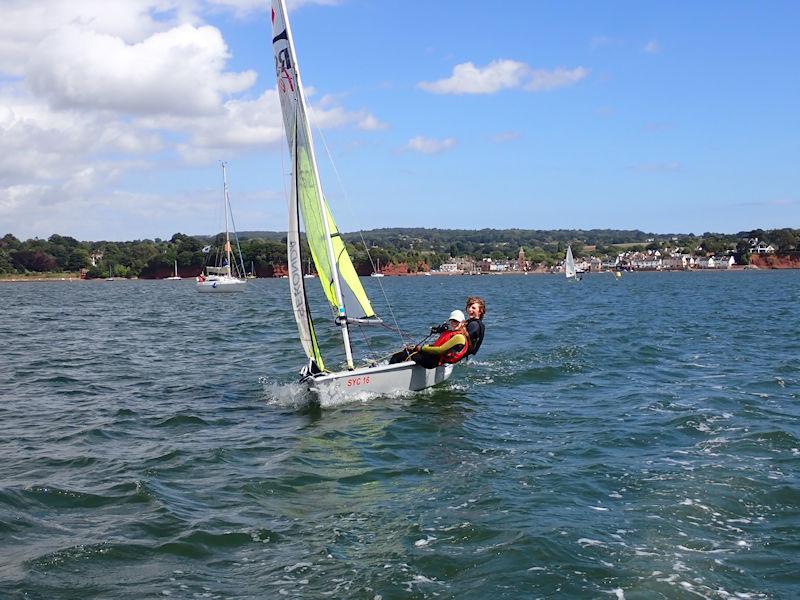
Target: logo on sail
x,y
283,63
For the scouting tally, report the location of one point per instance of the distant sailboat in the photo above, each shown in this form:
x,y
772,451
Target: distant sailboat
x,y
337,275
308,274
377,272
569,265
109,278
223,277
176,276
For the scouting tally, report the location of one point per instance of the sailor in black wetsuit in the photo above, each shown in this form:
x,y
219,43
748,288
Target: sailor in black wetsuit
x,y
476,308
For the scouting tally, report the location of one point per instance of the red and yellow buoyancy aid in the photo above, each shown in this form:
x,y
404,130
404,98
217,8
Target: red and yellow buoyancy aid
x,y
455,352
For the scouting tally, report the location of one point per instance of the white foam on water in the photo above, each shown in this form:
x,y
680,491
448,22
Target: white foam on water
x,y
586,542
329,398
296,566
286,395
698,551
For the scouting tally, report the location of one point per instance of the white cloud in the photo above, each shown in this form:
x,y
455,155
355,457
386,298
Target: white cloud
x,y
178,71
77,207
370,123
469,79
503,74
429,145
546,81
248,124
41,144
325,116
91,95
25,24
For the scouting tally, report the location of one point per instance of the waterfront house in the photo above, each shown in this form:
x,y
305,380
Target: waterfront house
x,y
706,262
449,268
725,262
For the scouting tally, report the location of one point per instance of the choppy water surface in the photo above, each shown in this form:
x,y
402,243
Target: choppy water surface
x,y
637,438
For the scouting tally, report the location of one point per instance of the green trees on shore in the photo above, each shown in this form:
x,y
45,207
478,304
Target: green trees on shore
x,y
417,248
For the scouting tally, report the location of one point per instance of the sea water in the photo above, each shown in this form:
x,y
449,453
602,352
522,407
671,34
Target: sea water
x,y
630,438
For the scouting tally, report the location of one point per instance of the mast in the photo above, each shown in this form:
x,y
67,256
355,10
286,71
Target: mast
x,y
341,318
227,237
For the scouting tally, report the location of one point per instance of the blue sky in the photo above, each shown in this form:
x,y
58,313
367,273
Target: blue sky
x,y
665,117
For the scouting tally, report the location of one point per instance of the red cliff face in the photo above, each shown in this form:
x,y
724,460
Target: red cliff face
x,y
390,269
278,271
773,261
402,269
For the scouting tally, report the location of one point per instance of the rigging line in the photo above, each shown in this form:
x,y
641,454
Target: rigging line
x,y
236,236
360,233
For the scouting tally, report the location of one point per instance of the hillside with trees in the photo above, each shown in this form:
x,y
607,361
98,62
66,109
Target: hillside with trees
x,y
416,248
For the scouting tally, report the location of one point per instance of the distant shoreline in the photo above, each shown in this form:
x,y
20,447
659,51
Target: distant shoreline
x,y
737,268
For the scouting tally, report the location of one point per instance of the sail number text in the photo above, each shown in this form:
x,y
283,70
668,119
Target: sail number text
x,y
353,381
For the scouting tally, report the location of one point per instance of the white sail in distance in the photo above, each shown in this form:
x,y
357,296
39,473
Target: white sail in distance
x,y
569,264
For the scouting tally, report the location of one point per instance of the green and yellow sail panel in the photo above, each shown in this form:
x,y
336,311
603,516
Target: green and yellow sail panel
x,y
357,304
297,289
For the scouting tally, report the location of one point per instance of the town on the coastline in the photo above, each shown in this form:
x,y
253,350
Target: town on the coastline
x,y
653,259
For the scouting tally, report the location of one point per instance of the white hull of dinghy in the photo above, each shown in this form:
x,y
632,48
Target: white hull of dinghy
x,y
381,379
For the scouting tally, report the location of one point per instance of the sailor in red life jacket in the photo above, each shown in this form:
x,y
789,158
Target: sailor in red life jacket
x,y
450,347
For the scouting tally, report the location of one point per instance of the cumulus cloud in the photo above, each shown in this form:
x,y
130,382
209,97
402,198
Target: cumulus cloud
x,y
545,81
469,79
243,8
39,143
327,114
500,75
41,210
25,24
89,95
249,124
429,145
180,71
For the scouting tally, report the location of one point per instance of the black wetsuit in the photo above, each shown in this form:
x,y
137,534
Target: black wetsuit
x,y
475,329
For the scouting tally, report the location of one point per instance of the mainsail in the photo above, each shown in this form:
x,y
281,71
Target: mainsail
x,y
337,275
569,264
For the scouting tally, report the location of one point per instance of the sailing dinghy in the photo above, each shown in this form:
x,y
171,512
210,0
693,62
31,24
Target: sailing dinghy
x,y
338,277
569,265
175,277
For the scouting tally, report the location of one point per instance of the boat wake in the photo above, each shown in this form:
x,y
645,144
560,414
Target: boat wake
x,y
293,395
297,396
